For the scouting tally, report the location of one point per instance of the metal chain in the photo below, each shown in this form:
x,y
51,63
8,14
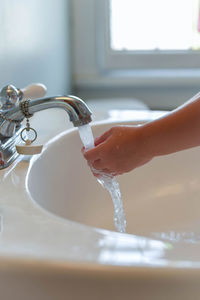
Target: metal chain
x,y
24,105
9,120
24,108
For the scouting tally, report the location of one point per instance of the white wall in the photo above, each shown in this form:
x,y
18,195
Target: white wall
x,y
34,44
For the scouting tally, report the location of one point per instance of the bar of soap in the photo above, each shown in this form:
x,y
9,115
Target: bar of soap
x,y
29,149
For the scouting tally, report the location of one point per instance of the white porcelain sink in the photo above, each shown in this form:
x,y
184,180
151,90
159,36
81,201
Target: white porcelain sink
x,y
161,199
52,245
158,259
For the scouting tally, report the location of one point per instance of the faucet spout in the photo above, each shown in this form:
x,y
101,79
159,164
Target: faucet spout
x,y
78,111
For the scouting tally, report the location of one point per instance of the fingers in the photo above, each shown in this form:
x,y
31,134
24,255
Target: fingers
x,y
92,158
103,137
98,164
95,153
97,173
91,155
96,157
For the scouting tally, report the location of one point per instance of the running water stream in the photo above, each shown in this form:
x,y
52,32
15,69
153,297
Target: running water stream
x,y
107,181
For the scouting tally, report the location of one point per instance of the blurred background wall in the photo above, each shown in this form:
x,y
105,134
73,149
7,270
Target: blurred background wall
x,y
34,44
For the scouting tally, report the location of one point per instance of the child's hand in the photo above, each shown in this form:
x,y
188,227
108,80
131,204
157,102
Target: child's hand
x,y
118,150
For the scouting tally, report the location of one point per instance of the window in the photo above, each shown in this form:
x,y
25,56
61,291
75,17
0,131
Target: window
x,y
151,34
136,43
154,25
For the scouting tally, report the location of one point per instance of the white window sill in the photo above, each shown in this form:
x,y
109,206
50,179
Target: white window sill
x,y
184,77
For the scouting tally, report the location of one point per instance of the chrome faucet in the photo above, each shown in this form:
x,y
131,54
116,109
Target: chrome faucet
x,y
11,117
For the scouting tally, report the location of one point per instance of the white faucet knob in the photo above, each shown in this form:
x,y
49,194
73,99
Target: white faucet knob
x,y
34,91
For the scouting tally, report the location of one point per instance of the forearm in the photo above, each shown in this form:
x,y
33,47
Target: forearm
x,y
179,130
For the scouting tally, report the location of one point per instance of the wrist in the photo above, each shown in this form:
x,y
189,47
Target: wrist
x,y
149,139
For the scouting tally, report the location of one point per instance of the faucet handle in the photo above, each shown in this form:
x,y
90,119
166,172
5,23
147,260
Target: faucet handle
x,y
33,91
10,95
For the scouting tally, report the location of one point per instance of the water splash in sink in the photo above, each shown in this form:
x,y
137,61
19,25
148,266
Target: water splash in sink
x,y
108,182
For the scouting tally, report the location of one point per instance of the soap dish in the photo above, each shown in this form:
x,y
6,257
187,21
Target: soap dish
x,y
29,149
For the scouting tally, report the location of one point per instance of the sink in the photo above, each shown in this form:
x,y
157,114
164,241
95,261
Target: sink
x,y
161,199
72,220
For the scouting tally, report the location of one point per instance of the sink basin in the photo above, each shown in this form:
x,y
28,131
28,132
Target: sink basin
x,y
161,199
159,258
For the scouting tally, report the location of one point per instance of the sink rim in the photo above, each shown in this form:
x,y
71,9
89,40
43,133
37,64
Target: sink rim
x,y
45,266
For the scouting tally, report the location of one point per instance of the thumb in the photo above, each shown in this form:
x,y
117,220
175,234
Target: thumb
x,y
102,138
